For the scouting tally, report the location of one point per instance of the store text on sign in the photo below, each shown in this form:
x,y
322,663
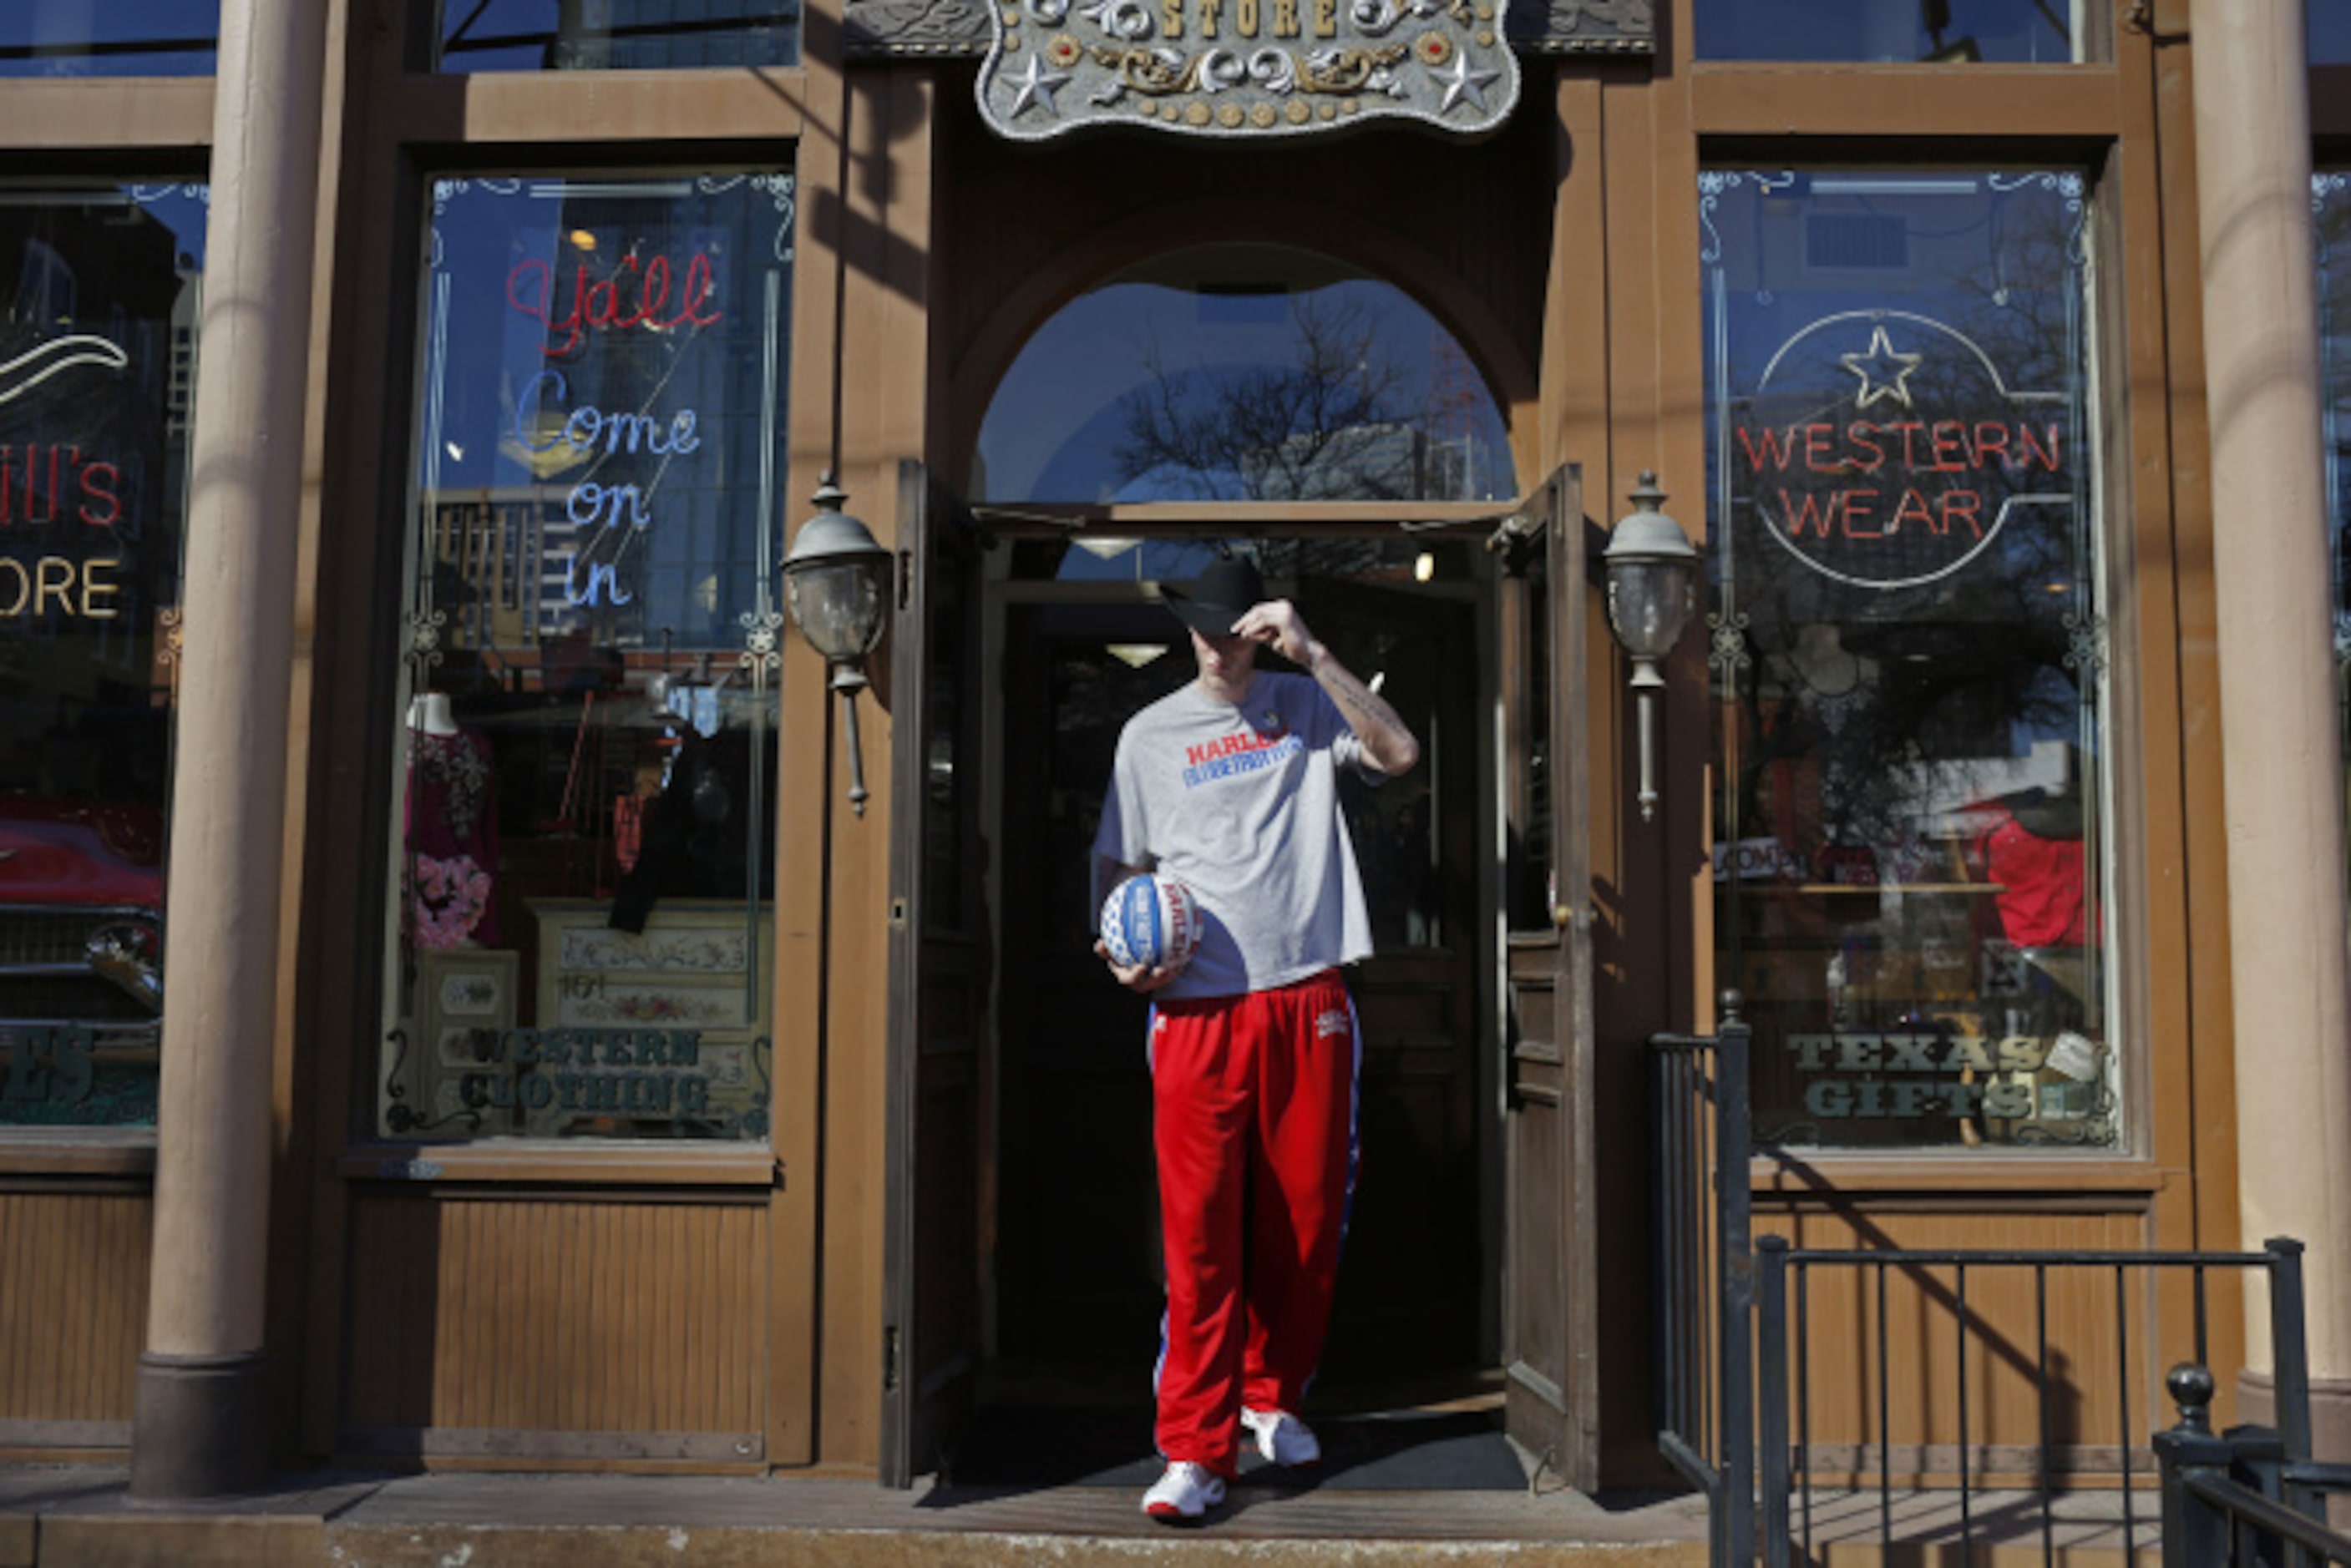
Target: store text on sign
x,y
1808,454
49,482
638,1071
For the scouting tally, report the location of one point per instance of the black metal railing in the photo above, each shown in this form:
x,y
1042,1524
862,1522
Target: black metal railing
x,y
2032,1445
1705,1272
2241,1496
2048,1350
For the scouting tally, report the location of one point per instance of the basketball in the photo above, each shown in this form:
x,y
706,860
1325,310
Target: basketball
x,y
1151,921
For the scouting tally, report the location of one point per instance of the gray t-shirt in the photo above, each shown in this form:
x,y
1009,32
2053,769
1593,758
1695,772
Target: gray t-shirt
x,y
1240,804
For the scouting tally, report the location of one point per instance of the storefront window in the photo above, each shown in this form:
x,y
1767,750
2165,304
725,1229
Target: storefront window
x,y
109,38
99,305
1928,32
616,34
2331,200
582,867
1909,655
1243,373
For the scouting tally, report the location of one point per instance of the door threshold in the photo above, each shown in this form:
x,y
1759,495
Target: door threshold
x,y
1094,1385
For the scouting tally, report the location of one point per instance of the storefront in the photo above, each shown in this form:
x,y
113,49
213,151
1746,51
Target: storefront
x,y
676,1053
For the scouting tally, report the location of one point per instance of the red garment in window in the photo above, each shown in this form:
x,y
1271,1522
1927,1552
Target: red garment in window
x,y
2041,900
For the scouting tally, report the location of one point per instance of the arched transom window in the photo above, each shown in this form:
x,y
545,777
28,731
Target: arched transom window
x,y
1242,373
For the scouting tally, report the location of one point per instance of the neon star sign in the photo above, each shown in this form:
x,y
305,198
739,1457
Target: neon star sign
x,y
1870,366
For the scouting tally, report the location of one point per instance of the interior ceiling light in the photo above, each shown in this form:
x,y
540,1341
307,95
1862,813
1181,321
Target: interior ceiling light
x,y
1103,549
1135,655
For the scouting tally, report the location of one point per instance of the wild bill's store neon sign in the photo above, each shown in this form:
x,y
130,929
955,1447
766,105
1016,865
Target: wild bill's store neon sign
x,y
54,492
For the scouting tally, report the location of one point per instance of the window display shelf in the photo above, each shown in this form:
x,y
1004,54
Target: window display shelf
x,y
636,1164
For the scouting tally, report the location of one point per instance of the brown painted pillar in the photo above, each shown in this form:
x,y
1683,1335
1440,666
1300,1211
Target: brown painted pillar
x,y
199,1428
2281,759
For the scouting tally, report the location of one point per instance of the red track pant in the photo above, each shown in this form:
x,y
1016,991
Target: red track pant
x,y
1253,1115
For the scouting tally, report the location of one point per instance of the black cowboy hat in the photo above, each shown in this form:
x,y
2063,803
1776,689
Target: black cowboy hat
x,y
1218,597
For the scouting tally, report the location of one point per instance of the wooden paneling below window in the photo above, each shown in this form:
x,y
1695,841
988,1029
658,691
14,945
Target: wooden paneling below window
x,y
1900,1382
73,1315
486,1328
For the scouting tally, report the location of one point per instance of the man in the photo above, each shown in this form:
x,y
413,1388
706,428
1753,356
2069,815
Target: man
x,y
1230,787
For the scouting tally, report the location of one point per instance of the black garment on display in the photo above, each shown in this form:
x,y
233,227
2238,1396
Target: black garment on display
x,y
696,831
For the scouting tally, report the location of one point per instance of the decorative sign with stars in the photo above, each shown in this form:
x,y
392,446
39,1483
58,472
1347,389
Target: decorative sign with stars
x,y
1244,68
1885,449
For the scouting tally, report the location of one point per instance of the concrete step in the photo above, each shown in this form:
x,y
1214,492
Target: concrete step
x,y
83,1520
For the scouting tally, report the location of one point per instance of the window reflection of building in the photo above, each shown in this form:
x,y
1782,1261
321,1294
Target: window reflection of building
x,y
2329,24
618,35
1941,32
109,38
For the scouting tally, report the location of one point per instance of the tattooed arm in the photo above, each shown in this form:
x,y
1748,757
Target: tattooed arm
x,y
1387,741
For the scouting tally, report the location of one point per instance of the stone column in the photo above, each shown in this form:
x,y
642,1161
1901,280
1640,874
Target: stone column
x,y
199,1427
2281,759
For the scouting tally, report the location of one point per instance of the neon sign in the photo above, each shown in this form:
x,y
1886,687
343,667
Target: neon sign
x,y
631,295
593,433
1884,450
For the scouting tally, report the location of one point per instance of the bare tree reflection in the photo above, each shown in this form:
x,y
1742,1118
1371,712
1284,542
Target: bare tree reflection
x,y
1346,420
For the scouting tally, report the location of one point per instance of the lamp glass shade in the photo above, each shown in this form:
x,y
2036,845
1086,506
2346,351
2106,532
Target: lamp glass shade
x,y
838,603
1650,602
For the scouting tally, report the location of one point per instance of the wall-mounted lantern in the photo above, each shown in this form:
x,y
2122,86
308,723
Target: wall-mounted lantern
x,y
837,586
1652,592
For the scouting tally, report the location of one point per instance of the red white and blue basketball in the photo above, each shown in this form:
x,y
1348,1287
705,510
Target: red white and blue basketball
x,y
1151,921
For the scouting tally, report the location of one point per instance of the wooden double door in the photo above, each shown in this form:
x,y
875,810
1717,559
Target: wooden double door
x,y
1024,1207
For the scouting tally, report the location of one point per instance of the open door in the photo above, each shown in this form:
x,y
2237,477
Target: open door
x,y
1549,1346
1411,1275
931,1262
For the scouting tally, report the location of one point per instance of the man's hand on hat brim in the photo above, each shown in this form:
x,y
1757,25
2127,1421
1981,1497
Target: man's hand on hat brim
x,y
1278,623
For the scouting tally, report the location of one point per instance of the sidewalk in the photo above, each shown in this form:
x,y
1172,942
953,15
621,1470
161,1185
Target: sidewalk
x,y
82,1518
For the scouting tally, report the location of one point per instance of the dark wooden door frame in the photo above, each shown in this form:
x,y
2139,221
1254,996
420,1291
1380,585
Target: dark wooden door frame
x,y
933,1094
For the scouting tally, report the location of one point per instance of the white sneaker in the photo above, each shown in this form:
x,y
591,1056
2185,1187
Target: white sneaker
x,y
1282,1438
1185,1492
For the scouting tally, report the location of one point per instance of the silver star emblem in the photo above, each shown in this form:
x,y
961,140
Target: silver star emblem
x,y
1874,381
1038,86
1465,83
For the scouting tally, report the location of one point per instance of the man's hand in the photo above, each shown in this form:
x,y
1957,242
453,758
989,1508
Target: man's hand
x,y
1140,978
1278,623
